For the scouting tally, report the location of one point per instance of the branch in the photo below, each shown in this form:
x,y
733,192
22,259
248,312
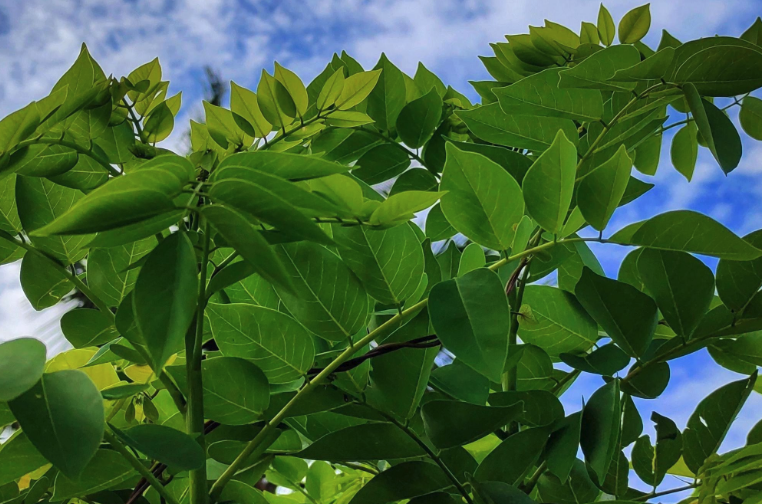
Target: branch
x,y
391,141
665,492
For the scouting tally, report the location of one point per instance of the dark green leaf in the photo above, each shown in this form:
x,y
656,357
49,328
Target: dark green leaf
x,y
635,24
43,284
514,457
165,444
387,98
596,71
381,163
22,361
402,481
600,191
454,423
372,441
739,281
418,120
563,444
716,129
601,420
84,327
236,392
105,470
606,360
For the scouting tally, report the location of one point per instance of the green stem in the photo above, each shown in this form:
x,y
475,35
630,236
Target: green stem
x,y
532,482
392,323
139,467
193,354
71,145
274,141
665,492
510,377
135,121
431,453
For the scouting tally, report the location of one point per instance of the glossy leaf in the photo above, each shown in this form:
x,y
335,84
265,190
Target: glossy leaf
x,y
600,192
454,423
684,150
635,24
22,361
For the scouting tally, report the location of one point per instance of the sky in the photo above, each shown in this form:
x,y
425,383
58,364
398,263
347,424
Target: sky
x,y
39,40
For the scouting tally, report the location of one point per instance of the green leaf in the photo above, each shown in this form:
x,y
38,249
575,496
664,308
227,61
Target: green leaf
x,y
275,342
402,207
123,391
402,481
84,327
123,200
333,310
627,315
270,206
606,27
236,392
563,445
514,457
388,262
22,361
483,201
40,160
381,163
716,130
62,415
651,463
635,24
371,441
596,71
739,281
687,231
555,321
496,492
165,297
241,234
357,87
717,66
281,164
541,408
419,119
653,67
41,202
548,186
471,318
601,419
387,98
348,119
275,102
159,124
684,150
600,192
294,86
107,469
165,444
43,284
109,274
606,360
245,109
540,95
9,216
711,420
490,123
454,423
682,286
751,117
18,457
331,90
461,382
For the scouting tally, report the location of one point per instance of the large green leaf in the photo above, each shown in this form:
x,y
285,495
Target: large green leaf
x,y
165,297
236,392
275,342
718,66
750,117
627,315
381,163
512,458
240,233
536,133
563,445
245,108
711,420
84,327
739,281
601,422
106,470
40,202
111,272
43,284
548,186
334,310
402,481
418,120
62,415
389,262
540,95
635,24
455,423
601,190
471,317
595,71
22,361
483,201
371,441
687,231
682,286
165,444
651,463
684,150
18,457
42,160
387,98
716,129
555,321
9,215
606,360
281,164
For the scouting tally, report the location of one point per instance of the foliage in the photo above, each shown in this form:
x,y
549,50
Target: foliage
x,y
258,308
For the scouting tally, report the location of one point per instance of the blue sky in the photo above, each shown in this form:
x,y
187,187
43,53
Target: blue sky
x,y
41,38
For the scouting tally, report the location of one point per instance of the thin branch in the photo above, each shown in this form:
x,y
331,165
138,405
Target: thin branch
x,y
665,492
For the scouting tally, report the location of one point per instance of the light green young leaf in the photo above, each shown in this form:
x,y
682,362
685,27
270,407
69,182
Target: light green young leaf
x,y
294,86
606,26
357,87
548,186
331,90
275,102
402,207
281,164
244,105
483,201
635,24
